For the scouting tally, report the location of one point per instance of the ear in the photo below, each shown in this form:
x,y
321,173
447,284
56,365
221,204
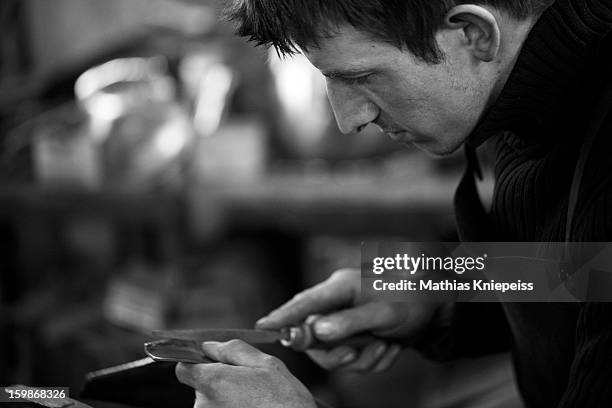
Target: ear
x,y
480,28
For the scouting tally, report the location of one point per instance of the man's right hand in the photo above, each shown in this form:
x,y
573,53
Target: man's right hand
x,y
336,312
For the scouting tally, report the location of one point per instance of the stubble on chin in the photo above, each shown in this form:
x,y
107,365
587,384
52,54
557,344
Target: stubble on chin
x,y
438,149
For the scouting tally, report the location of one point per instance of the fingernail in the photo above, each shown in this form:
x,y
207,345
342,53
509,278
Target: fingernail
x,y
261,321
324,328
348,357
210,343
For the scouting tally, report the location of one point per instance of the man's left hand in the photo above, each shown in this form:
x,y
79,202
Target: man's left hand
x,y
244,377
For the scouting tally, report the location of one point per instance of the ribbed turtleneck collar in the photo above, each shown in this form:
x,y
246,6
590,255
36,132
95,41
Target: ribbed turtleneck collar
x,y
544,77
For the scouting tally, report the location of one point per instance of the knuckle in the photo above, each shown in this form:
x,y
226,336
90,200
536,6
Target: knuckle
x,y
269,361
228,348
345,275
340,273
298,297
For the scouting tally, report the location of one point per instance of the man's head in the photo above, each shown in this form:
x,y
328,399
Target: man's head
x,y
422,70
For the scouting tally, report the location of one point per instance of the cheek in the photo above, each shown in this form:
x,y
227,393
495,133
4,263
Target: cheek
x,y
429,103
399,102
413,92
417,111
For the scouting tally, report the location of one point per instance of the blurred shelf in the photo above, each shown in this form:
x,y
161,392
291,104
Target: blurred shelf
x,y
384,207
25,199
285,203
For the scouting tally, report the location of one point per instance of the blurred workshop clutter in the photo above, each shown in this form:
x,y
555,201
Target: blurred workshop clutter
x,y
158,172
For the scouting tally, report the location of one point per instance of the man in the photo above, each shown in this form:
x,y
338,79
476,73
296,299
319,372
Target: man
x,y
531,77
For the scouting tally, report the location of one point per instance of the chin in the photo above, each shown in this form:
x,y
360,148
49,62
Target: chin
x,y
436,148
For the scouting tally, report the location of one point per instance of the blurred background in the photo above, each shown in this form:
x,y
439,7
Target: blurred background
x,y
158,172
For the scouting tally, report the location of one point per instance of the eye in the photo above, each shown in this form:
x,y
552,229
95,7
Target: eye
x,y
360,80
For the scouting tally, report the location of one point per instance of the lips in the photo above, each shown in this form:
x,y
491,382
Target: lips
x,y
396,135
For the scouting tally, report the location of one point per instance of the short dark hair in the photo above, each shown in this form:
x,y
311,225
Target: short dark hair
x,y
289,24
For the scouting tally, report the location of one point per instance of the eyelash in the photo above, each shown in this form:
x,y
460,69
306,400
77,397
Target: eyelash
x,y
358,80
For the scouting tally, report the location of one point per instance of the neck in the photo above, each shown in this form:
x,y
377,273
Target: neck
x,y
556,62
514,33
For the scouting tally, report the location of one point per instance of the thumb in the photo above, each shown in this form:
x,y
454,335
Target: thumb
x,y
348,322
333,293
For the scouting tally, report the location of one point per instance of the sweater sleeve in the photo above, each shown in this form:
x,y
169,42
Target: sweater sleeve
x,y
472,330
590,381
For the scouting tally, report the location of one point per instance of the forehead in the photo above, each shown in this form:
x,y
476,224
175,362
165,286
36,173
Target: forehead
x,y
350,48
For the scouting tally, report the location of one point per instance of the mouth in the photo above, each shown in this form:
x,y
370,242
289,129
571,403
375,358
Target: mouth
x,y
396,134
401,136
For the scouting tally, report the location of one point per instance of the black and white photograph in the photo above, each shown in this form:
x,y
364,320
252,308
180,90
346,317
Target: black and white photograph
x,y
306,204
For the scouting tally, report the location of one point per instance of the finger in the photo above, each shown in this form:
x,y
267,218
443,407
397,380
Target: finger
x,y
201,400
388,358
368,357
348,322
183,373
239,353
330,294
211,380
334,358
311,319
194,375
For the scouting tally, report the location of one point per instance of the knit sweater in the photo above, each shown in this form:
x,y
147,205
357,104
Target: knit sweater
x,y
562,352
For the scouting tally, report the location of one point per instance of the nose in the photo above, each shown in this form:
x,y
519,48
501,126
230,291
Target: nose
x,y
353,110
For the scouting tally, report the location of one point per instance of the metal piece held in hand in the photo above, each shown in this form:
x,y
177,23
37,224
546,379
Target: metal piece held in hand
x,y
298,337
